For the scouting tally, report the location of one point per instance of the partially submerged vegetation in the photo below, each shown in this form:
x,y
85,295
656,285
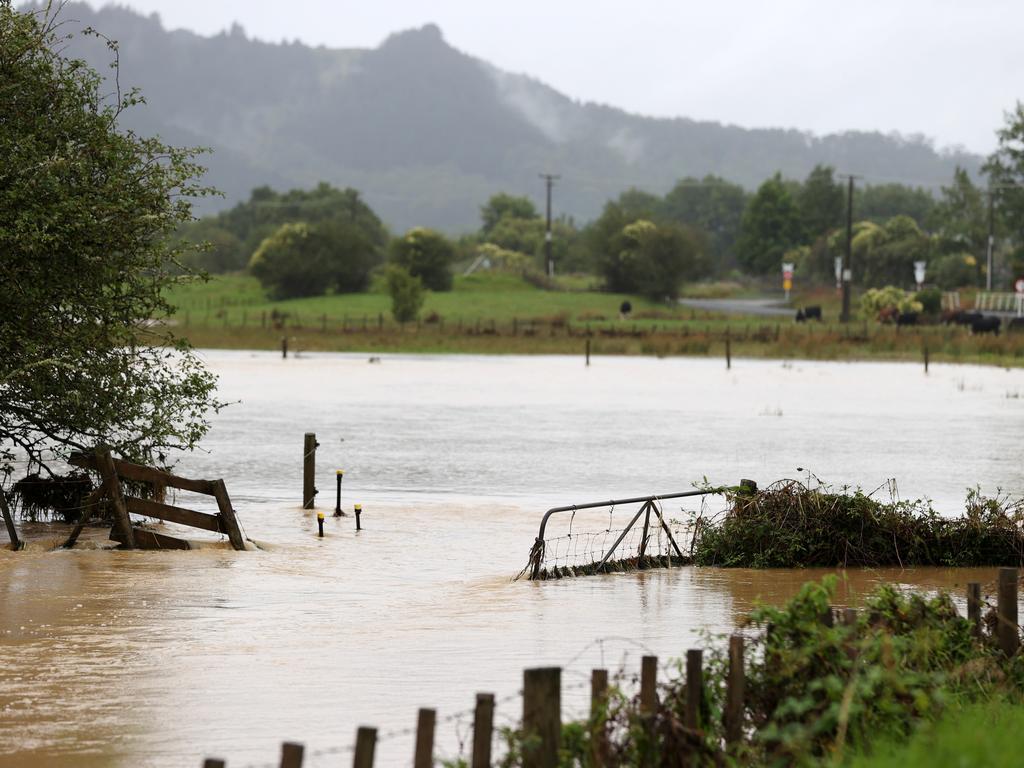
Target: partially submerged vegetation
x,y
816,691
789,525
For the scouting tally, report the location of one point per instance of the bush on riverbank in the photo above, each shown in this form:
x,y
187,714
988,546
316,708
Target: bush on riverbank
x,y
814,691
789,526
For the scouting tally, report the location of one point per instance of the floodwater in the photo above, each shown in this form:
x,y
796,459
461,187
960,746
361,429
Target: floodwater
x,y
161,658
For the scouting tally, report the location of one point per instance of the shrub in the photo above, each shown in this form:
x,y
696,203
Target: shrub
x,y
406,293
425,254
930,300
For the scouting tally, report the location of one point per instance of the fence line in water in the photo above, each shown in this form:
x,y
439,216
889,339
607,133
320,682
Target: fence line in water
x,y
542,703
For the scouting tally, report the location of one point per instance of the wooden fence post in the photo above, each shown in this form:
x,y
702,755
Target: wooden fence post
x,y
227,515
366,743
694,687
542,716
105,464
598,718
309,470
1007,611
424,755
735,691
292,755
213,762
483,731
9,522
974,607
649,707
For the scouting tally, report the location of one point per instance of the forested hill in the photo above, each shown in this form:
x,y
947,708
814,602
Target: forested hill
x,y
428,133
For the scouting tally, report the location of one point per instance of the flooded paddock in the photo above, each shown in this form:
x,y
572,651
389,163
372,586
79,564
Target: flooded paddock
x,y
160,658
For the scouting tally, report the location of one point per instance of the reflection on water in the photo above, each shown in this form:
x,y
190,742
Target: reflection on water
x,y
111,658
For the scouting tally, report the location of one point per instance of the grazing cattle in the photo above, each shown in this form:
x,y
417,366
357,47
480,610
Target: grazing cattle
x,y
888,315
625,309
967,318
1016,325
808,313
906,318
986,324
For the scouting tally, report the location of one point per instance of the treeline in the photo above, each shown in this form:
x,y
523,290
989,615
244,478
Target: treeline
x,y
324,240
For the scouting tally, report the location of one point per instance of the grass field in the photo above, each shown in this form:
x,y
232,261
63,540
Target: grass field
x,y
984,735
502,314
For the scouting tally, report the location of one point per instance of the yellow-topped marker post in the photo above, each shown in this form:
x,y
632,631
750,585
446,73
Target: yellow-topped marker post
x,y
359,511
340,474
320,523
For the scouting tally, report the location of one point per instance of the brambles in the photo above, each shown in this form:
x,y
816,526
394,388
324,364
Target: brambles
x,y
790,526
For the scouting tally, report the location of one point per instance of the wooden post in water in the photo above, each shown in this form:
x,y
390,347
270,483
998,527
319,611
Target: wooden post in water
x,y
598,718
483,731
735,691
227,516
105,464
588,353
213,762
284,347
728,350
974,607
292,755
1006,610
694,688
423,757
366,743
926,358
309,470
542,716
12,532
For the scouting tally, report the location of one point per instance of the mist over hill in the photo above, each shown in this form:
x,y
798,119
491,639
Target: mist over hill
x,y
428,133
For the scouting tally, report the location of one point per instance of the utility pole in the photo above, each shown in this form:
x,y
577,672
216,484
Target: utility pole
x,y
549,181
847,275
991,239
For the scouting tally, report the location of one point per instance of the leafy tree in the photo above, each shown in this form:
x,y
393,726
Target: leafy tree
x,y
87,218
822,202
504,206
880,202
1005,169
266,210
426,254
300,259
885,254
406,293
713,205
770,227
960,218
515,234
220,250
653,260
954,270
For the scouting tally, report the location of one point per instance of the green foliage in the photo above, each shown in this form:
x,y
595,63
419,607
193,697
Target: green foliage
x,y
960,218
791,526
426,254
877,302
816,690
712,205
652,259
300,259
250,223
87,215
880,202
822,202
884,254
770,227
954,270
1005,169
930,300
505,206
406,291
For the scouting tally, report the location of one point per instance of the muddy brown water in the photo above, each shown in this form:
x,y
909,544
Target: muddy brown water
x,y
161,658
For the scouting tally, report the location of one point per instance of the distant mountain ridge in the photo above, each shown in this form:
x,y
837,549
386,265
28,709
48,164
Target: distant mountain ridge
x,y
428,133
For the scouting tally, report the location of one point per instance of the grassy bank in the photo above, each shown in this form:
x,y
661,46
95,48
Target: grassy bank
x,y
502,314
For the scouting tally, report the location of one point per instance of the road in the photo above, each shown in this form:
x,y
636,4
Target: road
x,y
764,307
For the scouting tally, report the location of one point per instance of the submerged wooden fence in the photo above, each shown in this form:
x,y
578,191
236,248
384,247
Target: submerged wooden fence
x,y
113,471
541,719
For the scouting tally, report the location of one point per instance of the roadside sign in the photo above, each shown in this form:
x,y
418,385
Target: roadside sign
x,y
787,277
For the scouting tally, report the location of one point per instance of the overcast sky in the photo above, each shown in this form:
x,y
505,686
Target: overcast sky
x,y
943,68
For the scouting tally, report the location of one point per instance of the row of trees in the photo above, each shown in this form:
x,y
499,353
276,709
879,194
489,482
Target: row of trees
x,y
328,240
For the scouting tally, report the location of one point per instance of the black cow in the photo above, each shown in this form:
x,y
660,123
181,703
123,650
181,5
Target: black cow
x,y
986,324
967,318
808,313
1016,325
906,318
